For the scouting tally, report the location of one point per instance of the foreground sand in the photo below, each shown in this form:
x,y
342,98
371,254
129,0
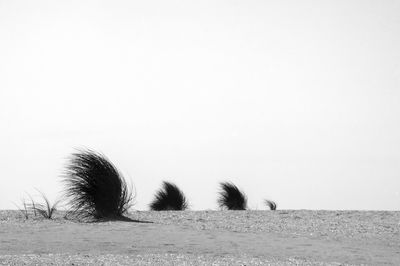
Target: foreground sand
x,y
206,238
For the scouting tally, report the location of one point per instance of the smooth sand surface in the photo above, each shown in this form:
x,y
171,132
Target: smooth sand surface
x,y
205,238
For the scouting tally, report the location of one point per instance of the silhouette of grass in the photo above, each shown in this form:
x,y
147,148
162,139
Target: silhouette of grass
x,y
94,188
24,209
169,197
231,197
33,204
271,204
46,210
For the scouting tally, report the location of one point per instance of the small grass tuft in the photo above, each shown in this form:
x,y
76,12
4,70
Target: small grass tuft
x,y
47,209
271,204
231,197
169,197
33,205
24,209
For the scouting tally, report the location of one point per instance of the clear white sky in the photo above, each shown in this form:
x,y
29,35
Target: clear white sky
x,y
296,101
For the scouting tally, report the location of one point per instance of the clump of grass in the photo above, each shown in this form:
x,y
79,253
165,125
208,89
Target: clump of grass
x,y
231,197
169,197
271,204
33,205
24,209
46,210
95,189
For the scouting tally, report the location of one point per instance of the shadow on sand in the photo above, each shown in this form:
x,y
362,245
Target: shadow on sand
x,y
121,219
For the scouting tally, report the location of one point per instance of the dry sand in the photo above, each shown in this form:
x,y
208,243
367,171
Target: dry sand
x,y
206,238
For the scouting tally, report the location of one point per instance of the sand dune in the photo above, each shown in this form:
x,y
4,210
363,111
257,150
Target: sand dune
x,y
206,237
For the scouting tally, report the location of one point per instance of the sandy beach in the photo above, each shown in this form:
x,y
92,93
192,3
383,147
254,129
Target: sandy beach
x,y
283,237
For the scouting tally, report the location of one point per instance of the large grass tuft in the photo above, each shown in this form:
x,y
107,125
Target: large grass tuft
x,y
94,187
231,197
169,198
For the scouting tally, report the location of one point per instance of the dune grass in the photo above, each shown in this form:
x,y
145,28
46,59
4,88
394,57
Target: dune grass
x,y
24,209
231,198
33,205
271,204
95,189
169,197
46,209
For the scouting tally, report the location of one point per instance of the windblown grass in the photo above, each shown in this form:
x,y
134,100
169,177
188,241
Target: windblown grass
x,y
169,197
24,209
271,204
231,197
33,205
95,189
47,209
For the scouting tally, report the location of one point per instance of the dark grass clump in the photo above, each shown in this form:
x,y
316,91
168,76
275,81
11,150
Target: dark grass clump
x,y
169,198
94,187
231,197
271,204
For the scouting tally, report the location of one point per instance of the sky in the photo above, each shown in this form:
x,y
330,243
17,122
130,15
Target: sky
x,y
293,101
